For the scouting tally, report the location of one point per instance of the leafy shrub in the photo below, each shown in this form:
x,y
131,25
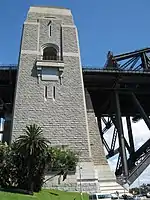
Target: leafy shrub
x,y
24,163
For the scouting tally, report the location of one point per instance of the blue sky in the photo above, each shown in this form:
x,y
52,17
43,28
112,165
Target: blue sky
x,y
103,25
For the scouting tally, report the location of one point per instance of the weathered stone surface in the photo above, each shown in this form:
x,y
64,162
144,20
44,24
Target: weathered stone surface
x,y
64,119
30,37
98,155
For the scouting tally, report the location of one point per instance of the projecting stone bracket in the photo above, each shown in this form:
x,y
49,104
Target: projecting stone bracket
x,y
48,70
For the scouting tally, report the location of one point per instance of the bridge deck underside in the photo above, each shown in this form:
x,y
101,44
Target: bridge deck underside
x,y
7,88
117,94
101,86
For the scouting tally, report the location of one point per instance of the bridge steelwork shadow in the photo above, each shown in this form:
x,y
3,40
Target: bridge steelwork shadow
x,y
8,74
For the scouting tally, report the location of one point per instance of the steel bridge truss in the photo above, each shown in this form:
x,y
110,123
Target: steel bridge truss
x,y
133,61
131,163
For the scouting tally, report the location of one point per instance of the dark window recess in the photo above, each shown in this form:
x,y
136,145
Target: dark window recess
x,y
50,30
50,53
45,92
54,92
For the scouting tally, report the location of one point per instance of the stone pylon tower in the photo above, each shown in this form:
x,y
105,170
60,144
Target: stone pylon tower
x,y
50,93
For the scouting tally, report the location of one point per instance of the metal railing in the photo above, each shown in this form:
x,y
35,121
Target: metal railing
x,y
9,66
50,58
115,70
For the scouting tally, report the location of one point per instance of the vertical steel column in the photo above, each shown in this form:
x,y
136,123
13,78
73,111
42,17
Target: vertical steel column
x,y
132,149
141,110
121,135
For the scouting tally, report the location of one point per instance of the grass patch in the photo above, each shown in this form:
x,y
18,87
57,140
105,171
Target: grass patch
x,y
44,195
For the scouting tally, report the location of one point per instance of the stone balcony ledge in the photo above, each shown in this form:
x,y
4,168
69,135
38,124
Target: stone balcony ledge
x,y
50,63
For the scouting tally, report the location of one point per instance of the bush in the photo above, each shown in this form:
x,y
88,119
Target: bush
x,y
24,163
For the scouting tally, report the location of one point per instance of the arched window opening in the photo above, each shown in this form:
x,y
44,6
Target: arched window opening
x,y
49,53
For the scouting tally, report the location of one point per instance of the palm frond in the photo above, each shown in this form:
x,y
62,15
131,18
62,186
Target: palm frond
x,y
32,142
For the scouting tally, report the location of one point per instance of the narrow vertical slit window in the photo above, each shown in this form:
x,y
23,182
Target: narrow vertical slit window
x,y
45,93
54,92
50,29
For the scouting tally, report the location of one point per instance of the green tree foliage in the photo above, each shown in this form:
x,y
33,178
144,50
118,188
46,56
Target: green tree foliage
x,y
25,162
32,151
3,151
8,171
32,143
143,189
62,161
134,191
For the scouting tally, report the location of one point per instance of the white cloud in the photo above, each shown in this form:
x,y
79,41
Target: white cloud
x,y
140,134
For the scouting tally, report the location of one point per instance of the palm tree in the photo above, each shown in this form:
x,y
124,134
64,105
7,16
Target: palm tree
x,y
33,146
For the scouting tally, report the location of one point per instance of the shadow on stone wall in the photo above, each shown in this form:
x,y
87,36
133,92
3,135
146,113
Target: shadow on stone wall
x,y
34,71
